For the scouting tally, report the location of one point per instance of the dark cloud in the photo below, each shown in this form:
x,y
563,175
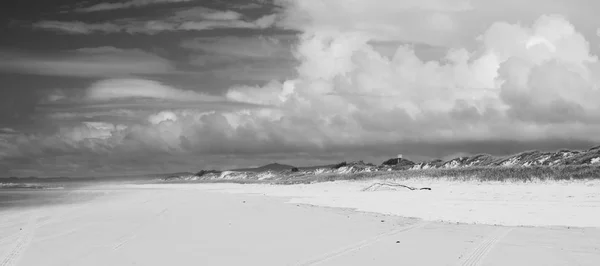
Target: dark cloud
x,y
16,106
185,19
86,62
243,59
105,6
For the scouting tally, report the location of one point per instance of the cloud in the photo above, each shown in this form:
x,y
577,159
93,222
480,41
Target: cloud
x,y
126,101
259,71
75,27
126,4
520,84
251,58
188,19
513,84
7,130
113,89
87,62
249,6
125,115
244,47
429,21
203,13
347,94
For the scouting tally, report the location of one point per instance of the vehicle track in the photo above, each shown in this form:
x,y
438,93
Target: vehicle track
x,y
133,234
9,237
361,244
478,255
24,238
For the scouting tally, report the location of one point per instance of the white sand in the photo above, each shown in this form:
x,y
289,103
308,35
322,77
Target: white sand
x,y
201,225
569,204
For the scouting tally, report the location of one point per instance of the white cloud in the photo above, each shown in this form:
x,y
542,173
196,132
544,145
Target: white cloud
x,y
266,21
163,116
429,21
125,114
91,130
505,89
203,13
113,89
260,23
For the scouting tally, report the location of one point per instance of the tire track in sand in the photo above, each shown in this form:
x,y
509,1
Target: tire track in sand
x,y
361,244
25,237
478,255
133,233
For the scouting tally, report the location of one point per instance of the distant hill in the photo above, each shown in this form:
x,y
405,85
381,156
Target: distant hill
x,y
34,179
276,167
399,163
312,168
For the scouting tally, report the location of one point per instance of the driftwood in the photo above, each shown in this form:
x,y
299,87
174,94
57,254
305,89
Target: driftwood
x,y
392,185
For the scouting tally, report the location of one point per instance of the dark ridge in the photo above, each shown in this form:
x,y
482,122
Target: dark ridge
x,y
205,172
398,161
36,179
339,165
269,167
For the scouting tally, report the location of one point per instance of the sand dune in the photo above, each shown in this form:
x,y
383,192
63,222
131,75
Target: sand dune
x,y
221,224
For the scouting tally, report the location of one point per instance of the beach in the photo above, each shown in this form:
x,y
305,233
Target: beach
x,y
315,224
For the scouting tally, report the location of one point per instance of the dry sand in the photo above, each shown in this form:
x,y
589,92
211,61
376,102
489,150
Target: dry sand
x,y
223,224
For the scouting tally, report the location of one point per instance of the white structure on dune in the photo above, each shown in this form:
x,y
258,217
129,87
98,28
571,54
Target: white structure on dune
x,y
399,156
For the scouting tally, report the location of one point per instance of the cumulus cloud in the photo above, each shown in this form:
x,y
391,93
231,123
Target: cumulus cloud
x,y
126,4
521,83
87,62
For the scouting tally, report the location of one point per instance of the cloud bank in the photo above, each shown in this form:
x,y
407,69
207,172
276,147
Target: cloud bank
x,y
126,4
517,82
113,89
521,83
104,61
185,19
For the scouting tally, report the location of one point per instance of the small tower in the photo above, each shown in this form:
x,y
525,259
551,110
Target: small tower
x,y
398,158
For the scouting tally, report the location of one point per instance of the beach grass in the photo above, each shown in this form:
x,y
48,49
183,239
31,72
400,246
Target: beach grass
x,y
512,174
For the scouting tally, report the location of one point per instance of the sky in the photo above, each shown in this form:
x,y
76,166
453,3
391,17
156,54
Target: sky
x,y
93,88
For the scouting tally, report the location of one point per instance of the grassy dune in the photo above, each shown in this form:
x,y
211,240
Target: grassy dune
x,y
522,174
